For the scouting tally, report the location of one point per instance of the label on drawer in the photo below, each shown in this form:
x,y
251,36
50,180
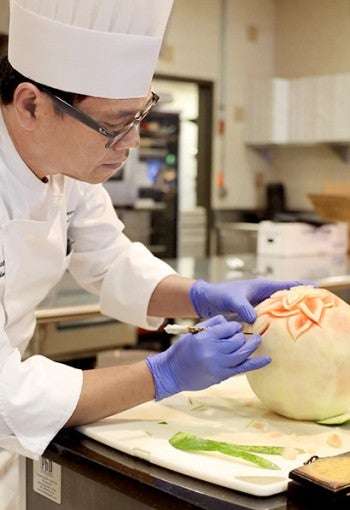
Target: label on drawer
x,y
47,479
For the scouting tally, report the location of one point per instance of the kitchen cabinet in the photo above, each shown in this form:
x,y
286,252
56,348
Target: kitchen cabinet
x,y
267,112
297,112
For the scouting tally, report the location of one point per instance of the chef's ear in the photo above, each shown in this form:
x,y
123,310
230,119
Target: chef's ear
x,y
26,101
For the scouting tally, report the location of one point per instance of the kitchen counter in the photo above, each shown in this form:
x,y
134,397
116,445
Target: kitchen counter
x,y
329,271
71,327
67,301
93,474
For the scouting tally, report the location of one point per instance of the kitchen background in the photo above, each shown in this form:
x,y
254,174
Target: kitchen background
x,y
283,63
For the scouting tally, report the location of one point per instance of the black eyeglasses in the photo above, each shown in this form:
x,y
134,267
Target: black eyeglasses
x,y
113,136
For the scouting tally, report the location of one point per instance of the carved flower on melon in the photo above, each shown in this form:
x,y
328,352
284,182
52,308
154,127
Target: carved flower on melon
x,y
301,307
306,331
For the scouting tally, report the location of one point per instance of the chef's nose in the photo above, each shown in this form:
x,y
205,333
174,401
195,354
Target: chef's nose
x,y
129,141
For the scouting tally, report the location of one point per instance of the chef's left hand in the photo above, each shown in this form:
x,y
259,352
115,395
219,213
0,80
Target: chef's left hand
x,y
235,297
196,361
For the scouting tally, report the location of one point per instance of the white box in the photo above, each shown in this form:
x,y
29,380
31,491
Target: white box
x,y
289,239
334,237
307,268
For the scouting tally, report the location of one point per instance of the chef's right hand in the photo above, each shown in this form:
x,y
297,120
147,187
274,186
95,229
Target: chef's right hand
x,y
196,361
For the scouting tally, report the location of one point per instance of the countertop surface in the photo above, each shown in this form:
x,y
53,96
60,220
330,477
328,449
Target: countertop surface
x,y
330,271
228,412
155,487
149,482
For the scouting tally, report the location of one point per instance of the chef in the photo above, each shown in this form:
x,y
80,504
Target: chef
x,y
73,89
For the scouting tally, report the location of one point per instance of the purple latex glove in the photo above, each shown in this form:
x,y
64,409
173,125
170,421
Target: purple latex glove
x,y
196,361
235,297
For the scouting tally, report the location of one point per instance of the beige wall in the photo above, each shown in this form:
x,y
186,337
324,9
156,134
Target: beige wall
x,y
312,38
191,44
193,47
283,38
4,16
250,55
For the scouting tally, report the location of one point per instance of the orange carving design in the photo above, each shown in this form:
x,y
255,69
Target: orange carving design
x,y
302,308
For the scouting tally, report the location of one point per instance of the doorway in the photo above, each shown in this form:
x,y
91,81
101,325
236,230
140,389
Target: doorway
x,y
193,99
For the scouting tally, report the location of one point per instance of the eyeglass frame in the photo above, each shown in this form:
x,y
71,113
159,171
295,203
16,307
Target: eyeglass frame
x,y
84,118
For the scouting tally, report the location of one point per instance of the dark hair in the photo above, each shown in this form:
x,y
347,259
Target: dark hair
x,y
10,79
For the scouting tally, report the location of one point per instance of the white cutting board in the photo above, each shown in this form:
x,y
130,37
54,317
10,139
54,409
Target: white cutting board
x,y
227,412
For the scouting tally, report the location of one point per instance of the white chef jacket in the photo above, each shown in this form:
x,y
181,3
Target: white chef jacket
x,y
46,229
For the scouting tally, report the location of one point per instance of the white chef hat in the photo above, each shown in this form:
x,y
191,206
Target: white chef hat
x,y
103,48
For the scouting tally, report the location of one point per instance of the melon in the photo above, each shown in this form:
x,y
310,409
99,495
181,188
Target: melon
x,y
306,332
